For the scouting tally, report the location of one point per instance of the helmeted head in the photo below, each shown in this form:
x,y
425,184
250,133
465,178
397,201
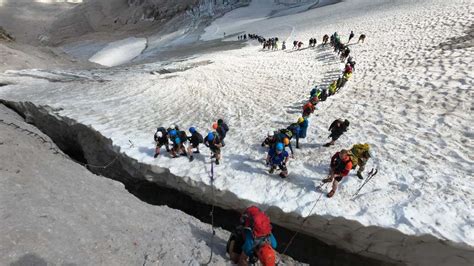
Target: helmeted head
x,y
346,123
220,121
159,134
266,255
300,120
173,133
177,141
270,133
344,154
210,136
214,125
279,147
173,126
192,130
286,141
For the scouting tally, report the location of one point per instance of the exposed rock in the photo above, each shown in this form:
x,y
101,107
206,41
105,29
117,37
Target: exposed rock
x,y
5,36
54,211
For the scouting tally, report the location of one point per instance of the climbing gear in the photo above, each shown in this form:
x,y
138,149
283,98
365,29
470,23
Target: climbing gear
x,y
371,174
173,133
211,214
279,146
304,220
331,193
257,221
266,255
210,136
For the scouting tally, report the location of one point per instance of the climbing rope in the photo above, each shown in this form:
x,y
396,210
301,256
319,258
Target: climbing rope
x,y
212,212
304,220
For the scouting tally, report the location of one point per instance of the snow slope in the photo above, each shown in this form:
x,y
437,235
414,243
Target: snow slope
x,y
410,98
119,52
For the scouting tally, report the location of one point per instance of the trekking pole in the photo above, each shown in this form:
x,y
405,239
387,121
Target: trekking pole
x,y
369,177
211,214
304,220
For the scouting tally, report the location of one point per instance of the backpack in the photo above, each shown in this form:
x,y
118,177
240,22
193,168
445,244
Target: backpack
x,y
357,151
199,137
256,220
287,132
294,128
182,135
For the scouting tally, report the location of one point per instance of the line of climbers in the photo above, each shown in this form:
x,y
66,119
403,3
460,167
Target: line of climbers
x,y
214,140
252,240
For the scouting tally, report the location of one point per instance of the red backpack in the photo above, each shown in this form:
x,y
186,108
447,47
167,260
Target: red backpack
x,y
258,221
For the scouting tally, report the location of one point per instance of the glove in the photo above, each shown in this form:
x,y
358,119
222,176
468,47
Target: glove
x,y
359,175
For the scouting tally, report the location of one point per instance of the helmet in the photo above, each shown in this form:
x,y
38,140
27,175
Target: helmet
x,y
210,136
214,125
286,141
159,134
300,120
177,141
173,133
173,126
270,133
279,146
220,121
266,255
346,123
192,130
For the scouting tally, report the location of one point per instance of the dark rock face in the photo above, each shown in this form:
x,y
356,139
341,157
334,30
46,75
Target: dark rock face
x,y
4,35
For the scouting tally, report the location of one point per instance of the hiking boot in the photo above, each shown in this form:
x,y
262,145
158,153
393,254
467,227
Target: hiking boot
x,y
328,144
196,152
217,162
156,155
360,176
282,175
191,159
326,180
272,169
183,154
331,193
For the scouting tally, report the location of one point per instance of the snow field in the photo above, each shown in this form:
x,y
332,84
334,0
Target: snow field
x,y
119,52
409,98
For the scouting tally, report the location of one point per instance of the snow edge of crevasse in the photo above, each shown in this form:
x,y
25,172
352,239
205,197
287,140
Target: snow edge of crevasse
x,y
383,244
